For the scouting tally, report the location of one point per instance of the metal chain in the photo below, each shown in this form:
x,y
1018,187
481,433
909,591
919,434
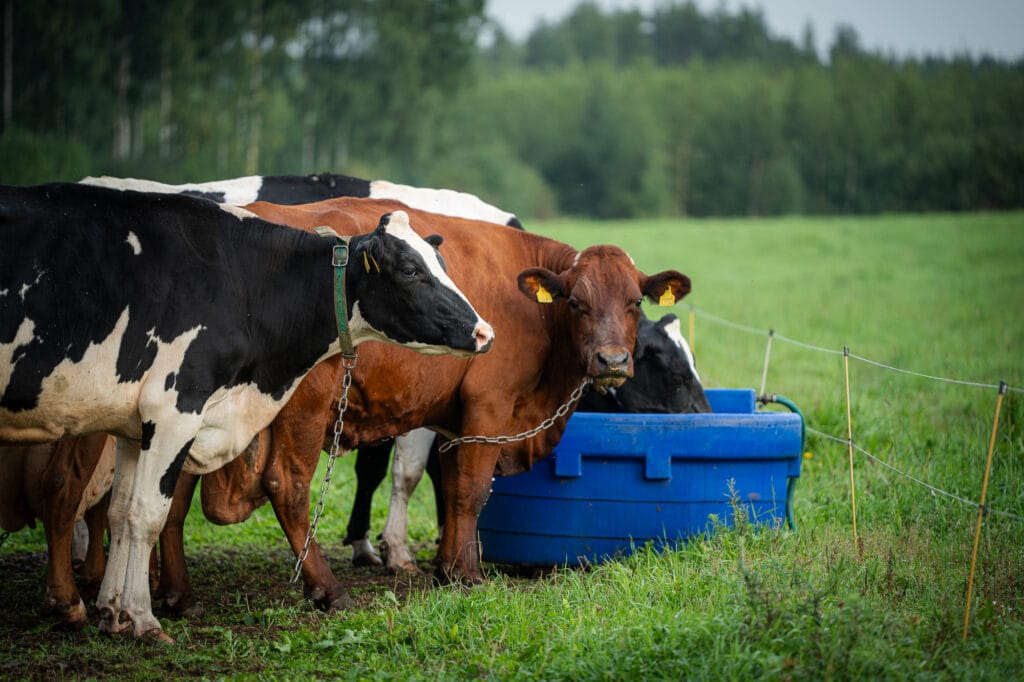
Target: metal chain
x,y
546,424
339,426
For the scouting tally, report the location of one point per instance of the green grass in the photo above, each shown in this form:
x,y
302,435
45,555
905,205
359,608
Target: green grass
x,y
936,294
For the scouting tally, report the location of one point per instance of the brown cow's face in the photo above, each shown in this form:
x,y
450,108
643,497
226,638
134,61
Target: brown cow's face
x,y
601,295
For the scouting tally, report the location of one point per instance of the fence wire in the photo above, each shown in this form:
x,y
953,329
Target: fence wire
x,y
769,333
938,491
831,351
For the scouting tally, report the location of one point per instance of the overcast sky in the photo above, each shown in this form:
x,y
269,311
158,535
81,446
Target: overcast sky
x,y
900,27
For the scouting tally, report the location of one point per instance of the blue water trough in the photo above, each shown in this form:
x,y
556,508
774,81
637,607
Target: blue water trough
x,y
617,481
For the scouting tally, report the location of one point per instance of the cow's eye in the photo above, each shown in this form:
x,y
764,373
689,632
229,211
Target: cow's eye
x,y
574,304
409,270
638,302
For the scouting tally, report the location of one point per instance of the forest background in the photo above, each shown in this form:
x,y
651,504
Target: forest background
x,y
604,114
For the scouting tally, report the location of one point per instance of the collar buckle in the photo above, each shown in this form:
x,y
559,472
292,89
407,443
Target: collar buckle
x,y
339,257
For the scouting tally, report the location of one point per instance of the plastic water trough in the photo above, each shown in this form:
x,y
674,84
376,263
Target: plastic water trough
x,y
618,481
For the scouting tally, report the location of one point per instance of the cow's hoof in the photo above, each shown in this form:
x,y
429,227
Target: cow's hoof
x,y
367,561
155,635
343,602
454,576
176,606
404,568
69,616
114,623
193,611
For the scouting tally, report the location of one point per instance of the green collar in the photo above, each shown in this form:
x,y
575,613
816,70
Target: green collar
x,y
339,259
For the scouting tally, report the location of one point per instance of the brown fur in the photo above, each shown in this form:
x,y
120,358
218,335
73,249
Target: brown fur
x,y
56,482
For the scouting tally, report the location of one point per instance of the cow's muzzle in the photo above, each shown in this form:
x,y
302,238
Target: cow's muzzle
x,y
484,335
611,367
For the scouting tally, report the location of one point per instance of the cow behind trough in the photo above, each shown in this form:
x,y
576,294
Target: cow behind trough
x,y
183,329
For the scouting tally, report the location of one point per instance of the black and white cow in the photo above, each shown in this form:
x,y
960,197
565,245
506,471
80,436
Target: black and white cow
x,y
289,190
183,327
665,380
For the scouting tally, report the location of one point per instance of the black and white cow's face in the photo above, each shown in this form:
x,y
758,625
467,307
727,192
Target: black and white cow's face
x,y
403,295
665,378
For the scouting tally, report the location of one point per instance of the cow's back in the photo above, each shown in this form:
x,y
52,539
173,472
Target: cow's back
x,y
99,289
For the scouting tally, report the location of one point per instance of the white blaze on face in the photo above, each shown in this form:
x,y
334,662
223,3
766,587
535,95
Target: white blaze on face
x,y
238,192
443,201
674,332
398,226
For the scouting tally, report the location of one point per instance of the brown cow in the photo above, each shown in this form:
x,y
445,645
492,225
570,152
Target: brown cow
x,y
60,483
577,319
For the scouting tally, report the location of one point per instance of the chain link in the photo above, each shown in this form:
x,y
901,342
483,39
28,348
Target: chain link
x,y
349,364
546,424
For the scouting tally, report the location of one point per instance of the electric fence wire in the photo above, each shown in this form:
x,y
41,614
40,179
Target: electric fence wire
x,y
765,332
938,491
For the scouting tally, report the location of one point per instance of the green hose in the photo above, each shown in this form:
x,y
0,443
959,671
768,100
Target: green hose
x,y
791,481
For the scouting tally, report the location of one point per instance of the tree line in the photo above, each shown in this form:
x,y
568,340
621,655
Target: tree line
x,y
606,114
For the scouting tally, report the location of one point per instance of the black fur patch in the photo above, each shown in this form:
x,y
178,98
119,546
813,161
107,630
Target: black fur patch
x,y
170,478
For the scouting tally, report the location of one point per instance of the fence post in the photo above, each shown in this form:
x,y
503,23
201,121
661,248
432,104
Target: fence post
x,y
849,443
767,358
981,506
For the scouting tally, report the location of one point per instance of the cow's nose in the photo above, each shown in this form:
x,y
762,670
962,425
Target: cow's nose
x,y
484,335
613,363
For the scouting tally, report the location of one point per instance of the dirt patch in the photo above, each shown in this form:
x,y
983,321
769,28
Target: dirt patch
x,y
243,590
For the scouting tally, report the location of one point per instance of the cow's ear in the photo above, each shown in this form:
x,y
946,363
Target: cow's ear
x,y
540,284
666,320
666,287
434,240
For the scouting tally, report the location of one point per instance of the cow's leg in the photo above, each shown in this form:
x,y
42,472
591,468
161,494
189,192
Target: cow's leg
x,y
410,459
175,588
297,438
71,466
144,483
91,573
371,469
467,484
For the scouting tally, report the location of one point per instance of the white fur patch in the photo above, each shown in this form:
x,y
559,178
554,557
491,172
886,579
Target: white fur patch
x,y
398,226
238,191
674,331
133,241
28,285
443,201
237,211
24,334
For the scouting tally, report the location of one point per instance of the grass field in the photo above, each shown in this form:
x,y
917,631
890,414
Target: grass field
x,y
940,295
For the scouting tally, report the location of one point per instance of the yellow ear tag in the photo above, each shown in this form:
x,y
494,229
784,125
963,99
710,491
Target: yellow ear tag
x,y
374,261
543,295
667,298
366,263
